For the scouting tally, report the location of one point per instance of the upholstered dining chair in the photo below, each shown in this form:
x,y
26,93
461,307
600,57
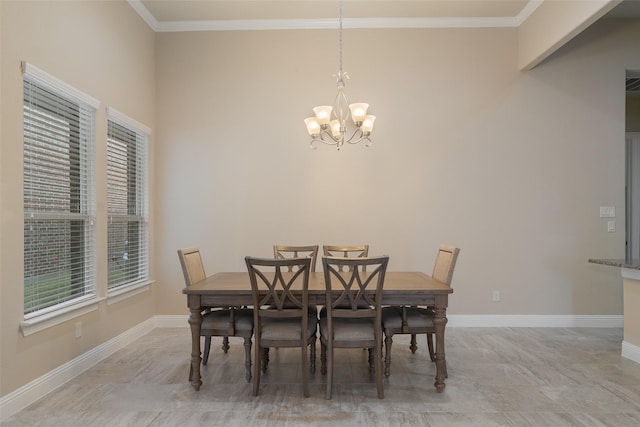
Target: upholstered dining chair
x,y
417,320
354,251
286,251
219,322
353,311
280,318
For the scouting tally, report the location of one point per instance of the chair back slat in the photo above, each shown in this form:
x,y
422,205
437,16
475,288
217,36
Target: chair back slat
x,y
351,291
357,251
287,251
271,286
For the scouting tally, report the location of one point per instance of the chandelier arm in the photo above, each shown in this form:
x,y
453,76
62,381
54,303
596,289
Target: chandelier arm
x,y
357,132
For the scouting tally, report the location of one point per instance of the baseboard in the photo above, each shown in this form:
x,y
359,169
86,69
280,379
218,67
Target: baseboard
x,y
38,388
534,321
631,351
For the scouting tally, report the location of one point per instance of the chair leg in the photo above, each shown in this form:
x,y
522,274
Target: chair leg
x,y
225,344
207,347
312,355
305,371
247,357
413,345
387,356
323,358
432,353
378,368
329,372
256,368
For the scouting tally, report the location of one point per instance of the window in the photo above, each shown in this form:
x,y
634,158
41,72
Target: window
x,y
58,187
127,201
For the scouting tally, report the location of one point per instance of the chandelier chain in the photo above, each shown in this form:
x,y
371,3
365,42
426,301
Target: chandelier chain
x,y
340,39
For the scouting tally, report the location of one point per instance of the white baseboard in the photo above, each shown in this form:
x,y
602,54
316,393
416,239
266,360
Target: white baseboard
x,y
533,321
38,388
631,351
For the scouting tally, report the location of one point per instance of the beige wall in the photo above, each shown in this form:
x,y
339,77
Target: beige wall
x,y
511,167
107,51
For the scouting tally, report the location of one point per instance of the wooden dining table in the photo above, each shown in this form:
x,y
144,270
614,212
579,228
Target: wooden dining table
x,y
229,289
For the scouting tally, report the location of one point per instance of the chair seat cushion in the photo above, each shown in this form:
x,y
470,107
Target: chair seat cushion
x,y
349,329
416,317
286,329
219,319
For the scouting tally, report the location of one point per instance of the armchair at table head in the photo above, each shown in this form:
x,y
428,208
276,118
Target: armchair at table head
x,y
418,320
219,322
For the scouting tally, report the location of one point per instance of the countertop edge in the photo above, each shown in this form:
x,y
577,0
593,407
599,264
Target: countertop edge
x,y
633,264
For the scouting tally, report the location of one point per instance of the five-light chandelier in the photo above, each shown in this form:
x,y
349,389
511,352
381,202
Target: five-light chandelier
x,y
331,125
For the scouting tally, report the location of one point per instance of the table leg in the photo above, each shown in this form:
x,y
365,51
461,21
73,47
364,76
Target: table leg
x,y
439,322
195,321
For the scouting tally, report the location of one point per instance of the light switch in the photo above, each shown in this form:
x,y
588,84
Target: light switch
x,y
611,226
607,211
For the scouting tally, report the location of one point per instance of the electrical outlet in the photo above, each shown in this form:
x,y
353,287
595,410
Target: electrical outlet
x,y
496,296
78,329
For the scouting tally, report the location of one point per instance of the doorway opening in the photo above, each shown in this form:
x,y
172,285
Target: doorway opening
x,y
632,167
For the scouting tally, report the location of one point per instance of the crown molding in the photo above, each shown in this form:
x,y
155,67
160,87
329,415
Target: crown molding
x,y
324,24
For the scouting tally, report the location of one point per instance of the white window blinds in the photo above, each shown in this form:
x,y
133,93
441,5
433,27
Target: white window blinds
x,y
59,193
127,200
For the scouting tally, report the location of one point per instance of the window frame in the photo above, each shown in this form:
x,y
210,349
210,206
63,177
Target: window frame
x,y
39,314
124,130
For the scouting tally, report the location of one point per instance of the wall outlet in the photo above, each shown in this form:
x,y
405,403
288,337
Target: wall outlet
x,y
78,329
496,296
607,211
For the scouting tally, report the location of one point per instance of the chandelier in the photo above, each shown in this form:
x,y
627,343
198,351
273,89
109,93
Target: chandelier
x,y
331,124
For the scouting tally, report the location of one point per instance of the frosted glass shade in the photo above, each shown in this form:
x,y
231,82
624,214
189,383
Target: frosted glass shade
x,y
335,128
313,127
323,114
358,111
367,123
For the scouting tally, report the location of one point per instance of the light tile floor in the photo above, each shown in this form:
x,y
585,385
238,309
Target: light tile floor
x,y
497,377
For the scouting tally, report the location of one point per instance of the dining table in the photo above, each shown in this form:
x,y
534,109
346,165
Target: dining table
x,y
233,289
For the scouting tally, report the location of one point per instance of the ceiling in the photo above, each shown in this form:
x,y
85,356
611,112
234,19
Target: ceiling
x,y
212,15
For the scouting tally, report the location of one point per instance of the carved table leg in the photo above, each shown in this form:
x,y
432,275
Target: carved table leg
x,y
440,321
195,321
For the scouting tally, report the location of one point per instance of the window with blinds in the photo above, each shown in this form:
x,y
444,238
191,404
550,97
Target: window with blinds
x,y
127,201
59,190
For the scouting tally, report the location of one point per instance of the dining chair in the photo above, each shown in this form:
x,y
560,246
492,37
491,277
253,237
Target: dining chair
x,y
417,320
353,311
219,322
286,251
357,251
280,318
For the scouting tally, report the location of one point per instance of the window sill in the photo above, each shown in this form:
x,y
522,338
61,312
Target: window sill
x,y
40,323
125,292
